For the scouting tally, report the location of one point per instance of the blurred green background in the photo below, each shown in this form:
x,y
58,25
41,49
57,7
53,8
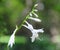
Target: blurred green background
x,y
13,12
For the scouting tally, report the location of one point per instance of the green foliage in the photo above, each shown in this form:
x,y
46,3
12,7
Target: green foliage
x,y
12,12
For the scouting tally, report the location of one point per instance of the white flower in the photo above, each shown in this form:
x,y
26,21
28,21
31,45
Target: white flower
x,y
11,41
35,34
30,14
34,31
35,14
12,38
35,10
35,5
33,37
28,26
35,19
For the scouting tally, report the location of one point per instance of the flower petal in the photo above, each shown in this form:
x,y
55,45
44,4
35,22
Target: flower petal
x,y
12,38
35,10
32,39
35,14
35,19
25,26
35,5
29,25
30,14
39,30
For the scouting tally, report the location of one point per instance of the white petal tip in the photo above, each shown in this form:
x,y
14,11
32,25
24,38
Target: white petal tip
x,y
35,10
35,14
11,40
30,14
35,19
35,5
42,30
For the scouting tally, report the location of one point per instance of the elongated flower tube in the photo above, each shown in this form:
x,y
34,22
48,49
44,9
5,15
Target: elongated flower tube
x,y
35,19
30,14
35,14
35,5
35,10
12,38
28,26
34,31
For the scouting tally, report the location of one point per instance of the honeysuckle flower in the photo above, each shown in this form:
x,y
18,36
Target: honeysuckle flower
x,y
35,34
35,5
12,38
33,37
35,10
30,14
28,26
35,19
35,14
34,31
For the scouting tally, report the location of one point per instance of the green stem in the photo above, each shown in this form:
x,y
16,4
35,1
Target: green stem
x,y
25,19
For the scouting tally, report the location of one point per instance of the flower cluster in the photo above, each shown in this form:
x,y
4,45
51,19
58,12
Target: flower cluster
x,y
28,26
12,38
34,31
